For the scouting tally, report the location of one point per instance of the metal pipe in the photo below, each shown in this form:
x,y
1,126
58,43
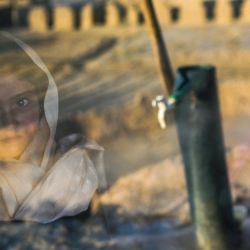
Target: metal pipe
x,y
158,45
202,145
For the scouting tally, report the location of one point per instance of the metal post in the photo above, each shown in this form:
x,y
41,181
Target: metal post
x,y
201,141
158,45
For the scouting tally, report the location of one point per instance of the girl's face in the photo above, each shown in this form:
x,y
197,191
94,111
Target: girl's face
x,y
19,116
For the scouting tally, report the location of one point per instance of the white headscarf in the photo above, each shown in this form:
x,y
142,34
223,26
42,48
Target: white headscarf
x,y
45,192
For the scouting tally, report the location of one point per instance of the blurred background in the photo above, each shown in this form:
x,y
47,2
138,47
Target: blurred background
x,y
100,55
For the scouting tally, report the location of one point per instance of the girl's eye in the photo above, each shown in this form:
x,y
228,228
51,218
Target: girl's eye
x,y
22,102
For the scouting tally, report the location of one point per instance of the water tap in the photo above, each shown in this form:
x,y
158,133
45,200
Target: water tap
x,y
165,106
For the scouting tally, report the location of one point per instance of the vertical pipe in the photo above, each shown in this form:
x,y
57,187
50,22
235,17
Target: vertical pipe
x,y
158,45
201,141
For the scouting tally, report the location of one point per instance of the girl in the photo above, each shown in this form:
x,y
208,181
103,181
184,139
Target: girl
x,y
39,180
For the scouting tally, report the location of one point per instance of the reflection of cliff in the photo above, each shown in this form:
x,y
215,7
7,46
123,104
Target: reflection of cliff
x,y
48,14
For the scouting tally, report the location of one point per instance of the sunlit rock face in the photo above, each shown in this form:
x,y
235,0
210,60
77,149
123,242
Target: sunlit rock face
x,y
154,191
160,189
